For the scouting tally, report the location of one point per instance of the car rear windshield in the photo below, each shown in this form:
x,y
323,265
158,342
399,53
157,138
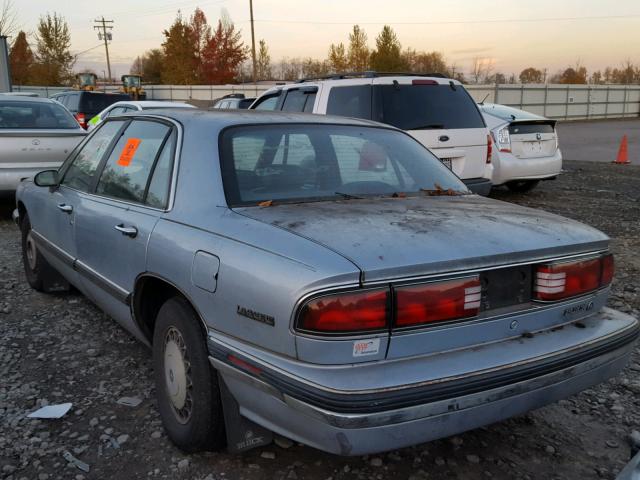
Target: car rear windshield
x,y
93,103
306,162
508,113
421,107
35,115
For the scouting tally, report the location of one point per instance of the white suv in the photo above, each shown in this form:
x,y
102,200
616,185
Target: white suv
x,y
435,110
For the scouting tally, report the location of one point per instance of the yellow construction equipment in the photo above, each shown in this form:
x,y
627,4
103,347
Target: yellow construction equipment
x,y
86,81
132,84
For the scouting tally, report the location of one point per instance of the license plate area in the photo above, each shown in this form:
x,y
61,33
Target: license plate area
x,y
447,162
505,287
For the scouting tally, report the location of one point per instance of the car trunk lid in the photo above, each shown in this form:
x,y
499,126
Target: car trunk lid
x,y
35,149
410,237
533,138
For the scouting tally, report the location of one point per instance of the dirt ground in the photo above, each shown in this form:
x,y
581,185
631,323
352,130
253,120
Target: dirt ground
x,y
60,348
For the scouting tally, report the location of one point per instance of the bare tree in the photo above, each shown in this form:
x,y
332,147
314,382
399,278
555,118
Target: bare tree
x,y
8,19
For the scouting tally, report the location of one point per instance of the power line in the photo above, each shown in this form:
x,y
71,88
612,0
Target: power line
x,y
459,22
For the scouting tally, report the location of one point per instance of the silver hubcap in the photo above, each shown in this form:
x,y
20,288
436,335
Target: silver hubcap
x,y
177,373
31,252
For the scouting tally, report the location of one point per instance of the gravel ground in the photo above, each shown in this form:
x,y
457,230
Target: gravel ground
x,y
60,348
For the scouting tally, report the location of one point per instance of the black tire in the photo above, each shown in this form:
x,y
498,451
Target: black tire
x,y
194,423
33,261
522,186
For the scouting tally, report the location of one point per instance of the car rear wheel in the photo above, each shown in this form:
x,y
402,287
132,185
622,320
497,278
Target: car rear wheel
x,y
186,385
33,261
522,186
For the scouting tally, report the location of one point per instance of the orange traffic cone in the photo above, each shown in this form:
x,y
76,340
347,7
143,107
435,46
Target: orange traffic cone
x,y
623,154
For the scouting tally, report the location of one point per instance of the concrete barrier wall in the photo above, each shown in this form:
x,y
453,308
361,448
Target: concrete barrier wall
x,y
563,102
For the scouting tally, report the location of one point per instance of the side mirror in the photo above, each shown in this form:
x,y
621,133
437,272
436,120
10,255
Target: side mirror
x,y
47,178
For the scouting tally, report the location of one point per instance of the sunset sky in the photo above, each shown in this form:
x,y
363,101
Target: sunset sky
x,y
548,34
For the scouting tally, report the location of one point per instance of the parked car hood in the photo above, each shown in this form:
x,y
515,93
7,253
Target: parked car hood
x,y
393,238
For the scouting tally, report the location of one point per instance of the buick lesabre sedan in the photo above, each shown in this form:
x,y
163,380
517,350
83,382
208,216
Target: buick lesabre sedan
x,y
323,278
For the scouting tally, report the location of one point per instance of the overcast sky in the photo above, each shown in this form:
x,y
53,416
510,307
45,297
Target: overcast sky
x,y
513,34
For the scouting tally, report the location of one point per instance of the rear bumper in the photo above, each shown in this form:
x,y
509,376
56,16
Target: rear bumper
x,y
10,178
363,422
508,167
481,186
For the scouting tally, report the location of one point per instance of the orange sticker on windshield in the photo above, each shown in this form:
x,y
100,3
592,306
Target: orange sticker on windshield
x,y
128,152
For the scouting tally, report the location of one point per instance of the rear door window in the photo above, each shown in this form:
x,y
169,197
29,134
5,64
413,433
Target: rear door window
x,y
79,175
72,101
351,101
129,166
267,103
158,190
424,107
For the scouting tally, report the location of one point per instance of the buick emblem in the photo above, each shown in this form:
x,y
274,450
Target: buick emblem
x,y
538,136
35,141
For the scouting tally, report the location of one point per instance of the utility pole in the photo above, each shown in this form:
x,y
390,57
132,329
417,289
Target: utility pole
x,y
253,44
102,26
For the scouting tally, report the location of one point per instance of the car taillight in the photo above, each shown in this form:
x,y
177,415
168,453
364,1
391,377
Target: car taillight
x,y
346,312
437,301
81,119
489,149
503,139
557,281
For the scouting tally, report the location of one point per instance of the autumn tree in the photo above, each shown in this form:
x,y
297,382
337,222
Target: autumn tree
x,y
571,75
53,59
338,61
312,68
531,75
180,54
201,34
290,69
425,62
387,55
263,62
21,60
149,65
596,77
223,54
481,70
358,51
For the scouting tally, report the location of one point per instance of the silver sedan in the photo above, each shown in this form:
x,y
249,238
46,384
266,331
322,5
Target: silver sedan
x,y
35,134
324,278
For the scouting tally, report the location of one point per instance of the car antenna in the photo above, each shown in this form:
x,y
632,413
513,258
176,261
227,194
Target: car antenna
x,y
485,97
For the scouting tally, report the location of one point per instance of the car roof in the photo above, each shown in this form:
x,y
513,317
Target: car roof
x,y
25,99
224,118
151,104
508,114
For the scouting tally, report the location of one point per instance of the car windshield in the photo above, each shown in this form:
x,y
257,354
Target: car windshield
x,y
423,107
35,115
306,162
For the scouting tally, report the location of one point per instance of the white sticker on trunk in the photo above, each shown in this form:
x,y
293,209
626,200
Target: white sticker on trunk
x,y
362,348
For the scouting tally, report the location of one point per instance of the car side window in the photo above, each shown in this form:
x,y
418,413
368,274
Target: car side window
x,y
311,100
81,170
294,101
352,101
130,163
158,191
267,103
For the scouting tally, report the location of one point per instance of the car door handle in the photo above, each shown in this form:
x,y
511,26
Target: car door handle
x,y
128,231
65,208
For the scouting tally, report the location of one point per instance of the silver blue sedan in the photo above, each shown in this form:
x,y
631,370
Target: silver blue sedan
x,y
326,279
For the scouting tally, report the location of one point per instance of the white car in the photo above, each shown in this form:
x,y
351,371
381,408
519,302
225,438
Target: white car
x,y
119,108
526,147
435,110
35,134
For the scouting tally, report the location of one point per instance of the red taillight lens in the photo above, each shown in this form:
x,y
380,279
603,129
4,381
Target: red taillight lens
x,y
424,82
81,119
569,279
489,148
346,312
437,301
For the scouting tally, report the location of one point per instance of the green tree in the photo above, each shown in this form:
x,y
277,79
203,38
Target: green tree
x,y
387,55
338,61
263,62
149,65
224,53
180,54
21,60
531,75
53,59
358,52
